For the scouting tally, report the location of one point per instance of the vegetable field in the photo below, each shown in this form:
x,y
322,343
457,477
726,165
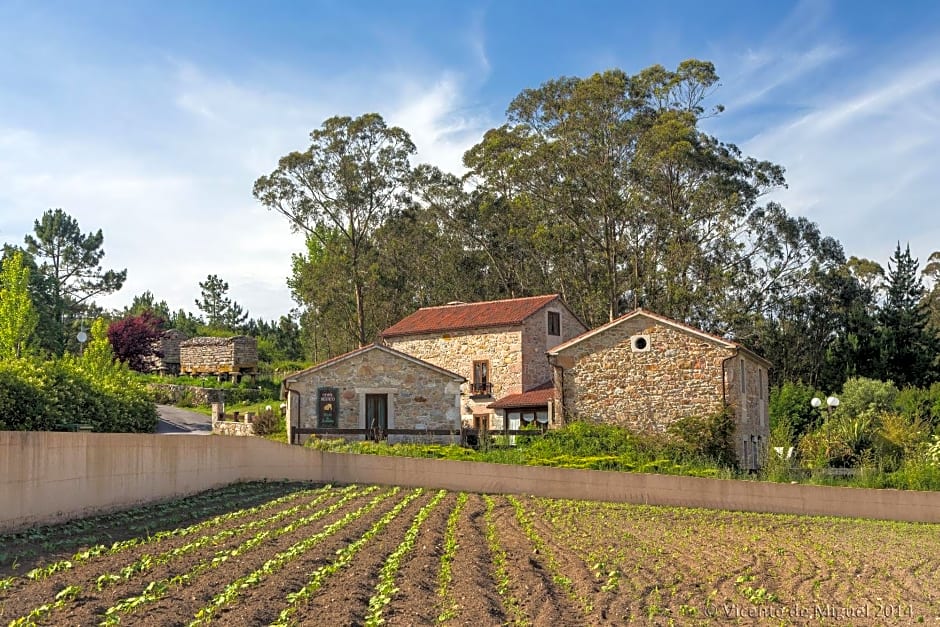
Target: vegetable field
x,y
289,553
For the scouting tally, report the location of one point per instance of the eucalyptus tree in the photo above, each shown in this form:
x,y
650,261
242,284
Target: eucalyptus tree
x,y
354,174
661,211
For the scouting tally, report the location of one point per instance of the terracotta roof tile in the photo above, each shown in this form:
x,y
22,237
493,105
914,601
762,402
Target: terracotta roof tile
x,y
463,316
536,397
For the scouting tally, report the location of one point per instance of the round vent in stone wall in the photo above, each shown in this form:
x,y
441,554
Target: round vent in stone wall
x,y
640,343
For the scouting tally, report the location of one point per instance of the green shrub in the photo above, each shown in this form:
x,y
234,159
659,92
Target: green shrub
x,y
92,389
915,404
900,437
790,409
932,452
23,403
265,423
866,397
711,437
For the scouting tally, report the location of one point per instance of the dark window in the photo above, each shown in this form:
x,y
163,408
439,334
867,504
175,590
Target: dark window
x,y
554,323
481,378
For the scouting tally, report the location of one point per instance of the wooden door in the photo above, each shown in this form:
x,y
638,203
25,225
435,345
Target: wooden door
x,y
377,414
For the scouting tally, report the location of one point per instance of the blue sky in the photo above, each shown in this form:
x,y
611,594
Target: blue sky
x,y
152,120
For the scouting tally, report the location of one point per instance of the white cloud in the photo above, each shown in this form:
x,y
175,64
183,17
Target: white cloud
x,y
175,203
860,160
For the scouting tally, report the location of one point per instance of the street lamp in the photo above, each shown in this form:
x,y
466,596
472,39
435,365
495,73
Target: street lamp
x,y
831,403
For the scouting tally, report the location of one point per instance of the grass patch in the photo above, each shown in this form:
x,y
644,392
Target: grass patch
x,y
578,445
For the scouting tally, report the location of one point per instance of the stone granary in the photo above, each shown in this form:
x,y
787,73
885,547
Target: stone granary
x,y
375,387
498,347
644,371
223,357
166,352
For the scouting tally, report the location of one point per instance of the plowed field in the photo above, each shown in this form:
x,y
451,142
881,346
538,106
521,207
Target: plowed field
x,y
288,553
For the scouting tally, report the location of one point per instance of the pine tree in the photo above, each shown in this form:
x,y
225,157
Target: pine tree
x,y
221,311
908,348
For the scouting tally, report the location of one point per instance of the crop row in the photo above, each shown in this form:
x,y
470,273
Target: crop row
x,y
518,560
44,539
99,550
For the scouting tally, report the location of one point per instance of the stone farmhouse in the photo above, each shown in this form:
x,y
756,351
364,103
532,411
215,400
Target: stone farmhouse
x,y
374,387
530,361
499,347
645,371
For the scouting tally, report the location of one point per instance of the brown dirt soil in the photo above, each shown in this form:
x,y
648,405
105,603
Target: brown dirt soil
x,y
542,600
25,594
179,605
20,552
473,589
625,564
416,602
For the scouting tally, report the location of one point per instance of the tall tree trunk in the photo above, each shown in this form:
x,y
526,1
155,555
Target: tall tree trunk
x,y
360,314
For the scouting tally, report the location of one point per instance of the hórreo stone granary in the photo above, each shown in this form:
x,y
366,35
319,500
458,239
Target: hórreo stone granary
x,y
219,356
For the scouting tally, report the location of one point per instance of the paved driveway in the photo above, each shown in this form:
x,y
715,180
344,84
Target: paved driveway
x,y
177,421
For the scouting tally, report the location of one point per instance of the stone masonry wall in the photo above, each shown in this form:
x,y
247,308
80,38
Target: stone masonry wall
x,y
417,394
680,375
457,350
218,355
751,407
536,368
168,347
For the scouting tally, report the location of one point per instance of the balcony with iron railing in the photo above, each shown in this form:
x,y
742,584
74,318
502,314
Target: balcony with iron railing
x,y
478,389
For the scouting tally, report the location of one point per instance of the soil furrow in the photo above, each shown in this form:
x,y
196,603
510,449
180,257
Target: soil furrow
x,y
62,541
85,574
543,599
180,605
344,597
476,599
415,601
91,605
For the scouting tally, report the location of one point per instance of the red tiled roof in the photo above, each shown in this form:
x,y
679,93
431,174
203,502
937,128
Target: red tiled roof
x,y
493,313
538,396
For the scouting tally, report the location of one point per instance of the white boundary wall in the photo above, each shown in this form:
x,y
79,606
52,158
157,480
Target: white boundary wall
x,y
50,477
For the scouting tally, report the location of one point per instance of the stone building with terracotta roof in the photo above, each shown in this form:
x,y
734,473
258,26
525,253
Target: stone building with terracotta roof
x,y
499,347
374,387
644,371
529,361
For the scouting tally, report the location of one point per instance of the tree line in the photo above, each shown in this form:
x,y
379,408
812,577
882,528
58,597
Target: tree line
x,y
47,291
604,189
607,190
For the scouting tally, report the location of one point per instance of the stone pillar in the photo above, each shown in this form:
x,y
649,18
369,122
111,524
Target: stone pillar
x,y
218,413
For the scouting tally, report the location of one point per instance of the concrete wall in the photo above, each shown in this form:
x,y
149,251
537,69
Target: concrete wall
x,y
48,477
